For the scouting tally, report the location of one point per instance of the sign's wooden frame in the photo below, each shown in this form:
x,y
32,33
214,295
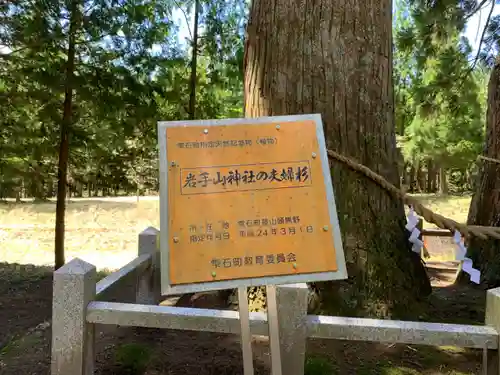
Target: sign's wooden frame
x,y
168,288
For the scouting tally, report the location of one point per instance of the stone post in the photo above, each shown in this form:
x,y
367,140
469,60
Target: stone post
x,y
292,303
148,283
492,319
72,337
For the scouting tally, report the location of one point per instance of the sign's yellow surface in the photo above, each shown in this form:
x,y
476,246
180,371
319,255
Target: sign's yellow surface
x,y
246,201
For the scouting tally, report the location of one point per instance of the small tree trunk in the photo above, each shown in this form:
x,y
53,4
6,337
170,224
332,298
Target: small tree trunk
x,y
433,179
443,182
413,180
430,175
194,58
418,187
406,180
62,172
485,205
421,178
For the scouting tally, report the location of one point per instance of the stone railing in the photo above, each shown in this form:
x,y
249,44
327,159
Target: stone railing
x,y
80,303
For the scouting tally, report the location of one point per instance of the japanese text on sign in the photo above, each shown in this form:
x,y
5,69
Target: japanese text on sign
x,y
247,201
230,143
277,226
257,260
245,177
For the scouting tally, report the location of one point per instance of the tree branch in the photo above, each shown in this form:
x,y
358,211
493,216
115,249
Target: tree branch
x,y
12,52
476,59
477,9
186,18
483,34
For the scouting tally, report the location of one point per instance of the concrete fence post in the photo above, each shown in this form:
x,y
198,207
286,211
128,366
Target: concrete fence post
x,y
292,303
72,337
492,319
148,283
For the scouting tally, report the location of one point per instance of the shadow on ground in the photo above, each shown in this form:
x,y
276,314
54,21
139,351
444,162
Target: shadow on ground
x,y
25,299
25,310
350,358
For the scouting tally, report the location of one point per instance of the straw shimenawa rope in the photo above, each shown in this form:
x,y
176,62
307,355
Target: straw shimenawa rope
x,y
431,217
480,157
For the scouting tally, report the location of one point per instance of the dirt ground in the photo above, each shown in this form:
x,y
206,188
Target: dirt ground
x,y
104,232
25,310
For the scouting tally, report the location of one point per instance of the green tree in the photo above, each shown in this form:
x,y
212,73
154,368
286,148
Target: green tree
x,y
443,122
83,53
485,204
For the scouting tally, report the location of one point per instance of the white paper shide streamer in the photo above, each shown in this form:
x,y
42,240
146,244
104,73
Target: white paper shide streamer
x,y
411,226
460,253
466,262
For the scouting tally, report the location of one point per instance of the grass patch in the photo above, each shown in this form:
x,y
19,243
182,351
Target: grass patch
x,y
133,358
18,345
365,358
101,274
23,273
317,365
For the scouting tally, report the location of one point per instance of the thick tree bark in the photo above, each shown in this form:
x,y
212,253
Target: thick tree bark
x,y
64,138
485,205
335,58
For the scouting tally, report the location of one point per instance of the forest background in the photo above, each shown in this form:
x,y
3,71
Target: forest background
x,y
147,61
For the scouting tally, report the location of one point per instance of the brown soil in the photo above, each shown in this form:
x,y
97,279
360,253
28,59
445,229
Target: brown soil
x,y
25,305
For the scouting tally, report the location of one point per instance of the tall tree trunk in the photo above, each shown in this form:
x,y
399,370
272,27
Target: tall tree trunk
x,y
443,181
418,177
62,172
194,58
421,178
430,176
485,205
413,178
433,179
335,58
406,180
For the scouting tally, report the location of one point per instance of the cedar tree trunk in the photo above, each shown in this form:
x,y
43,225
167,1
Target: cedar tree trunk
x,y
62,170
485,205
335,58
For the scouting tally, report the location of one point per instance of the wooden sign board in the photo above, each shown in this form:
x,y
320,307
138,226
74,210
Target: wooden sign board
x,y
246,202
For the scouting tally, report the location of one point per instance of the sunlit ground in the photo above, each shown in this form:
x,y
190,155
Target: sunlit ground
x,y
103,231
454,207
442,249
